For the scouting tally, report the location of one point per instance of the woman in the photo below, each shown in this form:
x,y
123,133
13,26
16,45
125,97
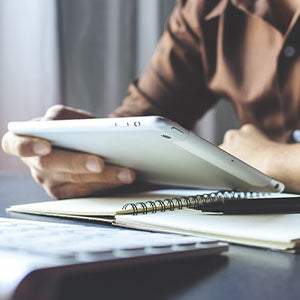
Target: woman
x,y
245,51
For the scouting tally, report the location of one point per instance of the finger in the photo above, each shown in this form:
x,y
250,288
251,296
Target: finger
x,y
110,175
66,161
248,127
72,190
230,135
61,112
37,119
25,146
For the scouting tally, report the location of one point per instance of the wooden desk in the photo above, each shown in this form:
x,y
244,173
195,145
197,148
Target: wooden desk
x,y
242,273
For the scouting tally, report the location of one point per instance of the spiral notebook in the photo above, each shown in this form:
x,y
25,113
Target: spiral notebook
x,y
190,212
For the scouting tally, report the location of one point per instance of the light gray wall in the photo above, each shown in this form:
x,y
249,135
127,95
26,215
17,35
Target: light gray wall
x,y
104,45
98,52
29,77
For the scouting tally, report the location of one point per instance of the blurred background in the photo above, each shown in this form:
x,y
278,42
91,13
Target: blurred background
x,y
81,53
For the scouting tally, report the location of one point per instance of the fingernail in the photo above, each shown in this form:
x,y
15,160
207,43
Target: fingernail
x,y
40,148
125,176
93,165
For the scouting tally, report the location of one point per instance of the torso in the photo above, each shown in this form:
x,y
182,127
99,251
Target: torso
x,y
254,69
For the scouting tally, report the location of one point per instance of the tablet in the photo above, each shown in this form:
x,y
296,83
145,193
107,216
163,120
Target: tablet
x,y
159,150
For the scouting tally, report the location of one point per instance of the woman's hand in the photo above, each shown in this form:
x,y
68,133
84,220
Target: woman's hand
x,y
278,160
250,145
64,173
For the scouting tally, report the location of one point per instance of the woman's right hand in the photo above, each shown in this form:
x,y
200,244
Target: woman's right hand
x,y
65,173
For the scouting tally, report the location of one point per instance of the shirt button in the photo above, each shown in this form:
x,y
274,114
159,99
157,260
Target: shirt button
x,y
296,135
289,51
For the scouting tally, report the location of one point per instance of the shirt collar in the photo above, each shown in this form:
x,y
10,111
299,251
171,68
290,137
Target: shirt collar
x,y
217,11
257,8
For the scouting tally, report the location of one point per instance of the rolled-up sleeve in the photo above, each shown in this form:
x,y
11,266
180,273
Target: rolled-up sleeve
x,y
173,83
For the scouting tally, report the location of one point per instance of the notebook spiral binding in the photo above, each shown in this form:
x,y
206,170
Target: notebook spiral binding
x,y
195,202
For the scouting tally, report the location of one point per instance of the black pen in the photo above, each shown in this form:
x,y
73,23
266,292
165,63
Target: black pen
x,y
252,206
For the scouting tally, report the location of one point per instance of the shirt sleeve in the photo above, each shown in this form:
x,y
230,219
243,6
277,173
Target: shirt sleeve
x,y
173,84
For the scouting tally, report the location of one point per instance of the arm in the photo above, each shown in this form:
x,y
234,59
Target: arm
x,y
278,160
173,85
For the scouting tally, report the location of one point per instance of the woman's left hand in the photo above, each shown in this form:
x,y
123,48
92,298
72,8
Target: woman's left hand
x,y
250,145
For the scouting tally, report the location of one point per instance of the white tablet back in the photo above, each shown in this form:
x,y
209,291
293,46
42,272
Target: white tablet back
x,y
159,150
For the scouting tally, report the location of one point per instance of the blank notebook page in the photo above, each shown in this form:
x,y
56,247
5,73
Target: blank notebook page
x,y
280,231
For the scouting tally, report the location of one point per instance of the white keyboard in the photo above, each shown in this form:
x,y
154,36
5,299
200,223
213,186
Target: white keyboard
x,y
92,243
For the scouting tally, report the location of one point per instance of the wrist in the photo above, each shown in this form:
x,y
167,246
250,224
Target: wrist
x,y
272,159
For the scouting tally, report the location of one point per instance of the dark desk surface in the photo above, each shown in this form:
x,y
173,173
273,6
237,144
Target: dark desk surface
x,y
242,273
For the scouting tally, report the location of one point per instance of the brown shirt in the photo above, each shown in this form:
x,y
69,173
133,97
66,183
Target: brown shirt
x,y
223,48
